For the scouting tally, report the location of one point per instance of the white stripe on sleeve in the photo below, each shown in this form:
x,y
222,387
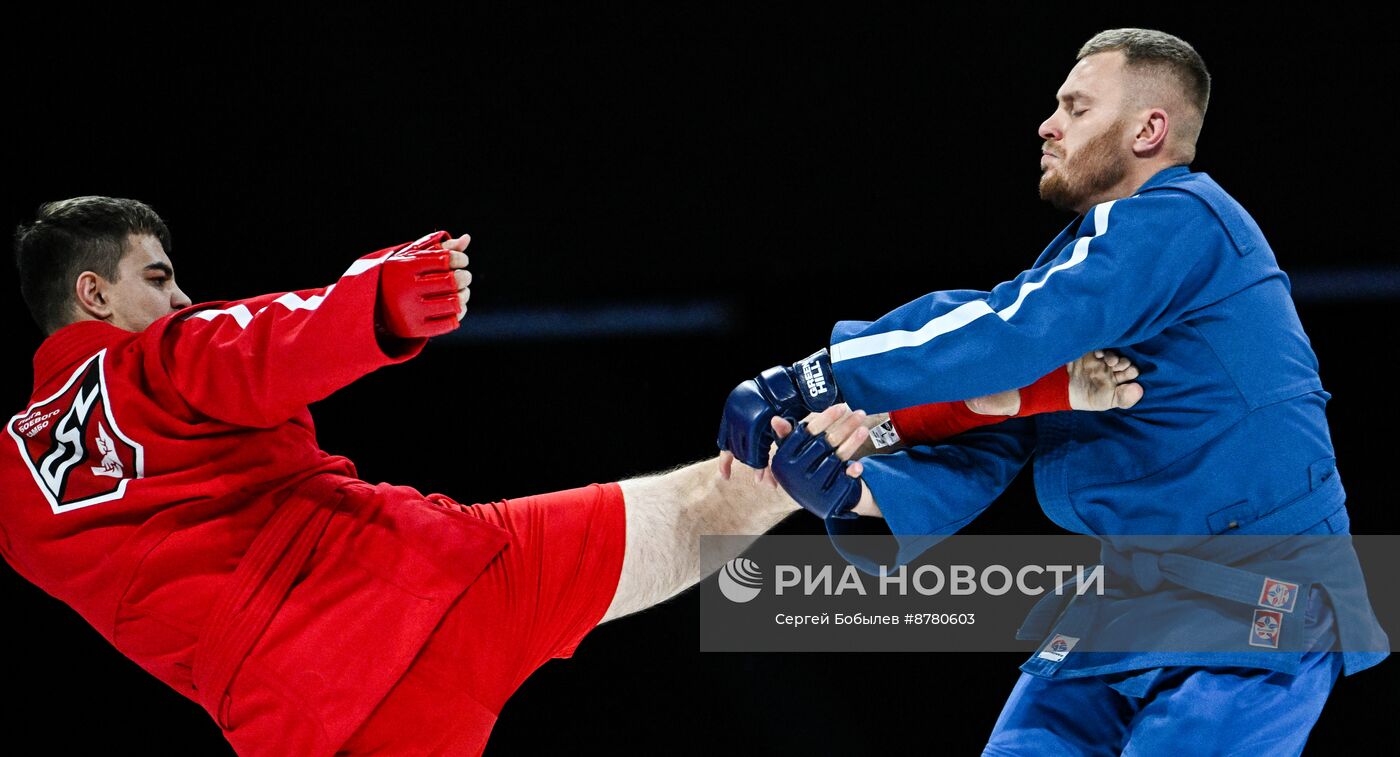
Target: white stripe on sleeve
x,y
293,301
874,344
290,300
360,266
239,312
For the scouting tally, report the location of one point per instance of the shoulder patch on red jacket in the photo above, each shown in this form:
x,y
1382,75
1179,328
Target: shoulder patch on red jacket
x,y
72,444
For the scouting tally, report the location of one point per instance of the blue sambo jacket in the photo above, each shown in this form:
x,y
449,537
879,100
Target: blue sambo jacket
x,y
1231,437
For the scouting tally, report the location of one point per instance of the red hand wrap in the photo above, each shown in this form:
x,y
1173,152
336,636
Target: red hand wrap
x,y
937,421
1049,394
417,289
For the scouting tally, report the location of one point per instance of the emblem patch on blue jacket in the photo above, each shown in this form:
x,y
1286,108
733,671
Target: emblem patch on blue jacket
x,y
1266,629
1278,595
1058,647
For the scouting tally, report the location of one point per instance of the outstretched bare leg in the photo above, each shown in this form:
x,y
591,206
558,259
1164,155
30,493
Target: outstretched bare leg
x,y
667,513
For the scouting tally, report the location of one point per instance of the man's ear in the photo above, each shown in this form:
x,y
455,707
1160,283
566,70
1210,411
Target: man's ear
x,y
1152,133
90,296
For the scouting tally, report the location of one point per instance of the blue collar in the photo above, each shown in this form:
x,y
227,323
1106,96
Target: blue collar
x,y
1164,176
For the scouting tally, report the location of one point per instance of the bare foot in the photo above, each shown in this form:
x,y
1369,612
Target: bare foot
x,y
1103,380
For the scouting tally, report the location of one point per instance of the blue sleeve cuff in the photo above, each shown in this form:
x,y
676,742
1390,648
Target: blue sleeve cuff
x,y
928,492
909,522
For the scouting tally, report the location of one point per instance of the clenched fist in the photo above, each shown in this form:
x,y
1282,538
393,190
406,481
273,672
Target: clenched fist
x,y
424,287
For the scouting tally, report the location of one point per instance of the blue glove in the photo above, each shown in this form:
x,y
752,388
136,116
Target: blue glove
x,y
808,469
745,428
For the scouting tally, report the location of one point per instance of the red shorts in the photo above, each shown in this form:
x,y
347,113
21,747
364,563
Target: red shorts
x,y
541,595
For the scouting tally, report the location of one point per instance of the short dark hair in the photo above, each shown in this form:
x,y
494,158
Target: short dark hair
x,y
72,236
1162,58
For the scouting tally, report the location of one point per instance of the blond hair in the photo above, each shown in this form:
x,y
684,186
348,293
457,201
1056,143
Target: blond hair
x,y
1165,72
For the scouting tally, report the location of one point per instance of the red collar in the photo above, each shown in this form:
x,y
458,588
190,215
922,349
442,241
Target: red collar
x,y
71,344
81,339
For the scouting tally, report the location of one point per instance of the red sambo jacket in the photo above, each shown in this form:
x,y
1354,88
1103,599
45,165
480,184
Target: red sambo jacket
x,y
168,486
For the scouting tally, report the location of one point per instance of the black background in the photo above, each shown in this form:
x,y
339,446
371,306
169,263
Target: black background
x,y
795,167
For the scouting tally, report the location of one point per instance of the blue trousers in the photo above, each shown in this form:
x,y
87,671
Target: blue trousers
x,y
1183,710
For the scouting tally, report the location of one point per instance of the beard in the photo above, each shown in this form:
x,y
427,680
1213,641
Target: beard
x,y
1096,167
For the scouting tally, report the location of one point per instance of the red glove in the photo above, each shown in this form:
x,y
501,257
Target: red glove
x,y
417,290
939,420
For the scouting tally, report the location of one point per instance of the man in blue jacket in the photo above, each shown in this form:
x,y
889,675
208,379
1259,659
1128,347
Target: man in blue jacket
x,y
1231,437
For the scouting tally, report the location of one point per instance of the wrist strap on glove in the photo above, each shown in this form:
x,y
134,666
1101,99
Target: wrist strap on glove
x,y
815,383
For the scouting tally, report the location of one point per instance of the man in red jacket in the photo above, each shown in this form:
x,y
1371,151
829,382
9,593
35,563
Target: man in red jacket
x,y
165,482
